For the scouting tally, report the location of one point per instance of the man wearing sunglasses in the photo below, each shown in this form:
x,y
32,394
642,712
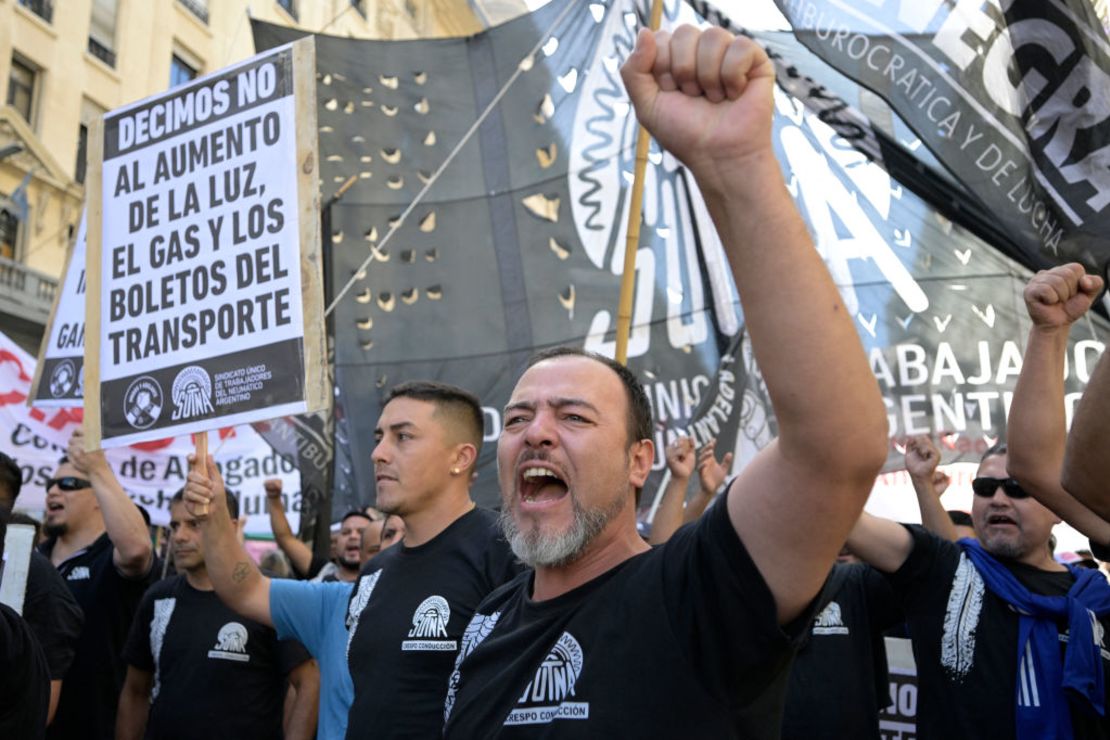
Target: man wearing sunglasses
x,y
98,541
1004,637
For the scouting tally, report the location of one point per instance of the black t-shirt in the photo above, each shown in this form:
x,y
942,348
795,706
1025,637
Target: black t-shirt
x,y
90,694
965,643
839,680
53,615
409,609
216,674
24,679
681,641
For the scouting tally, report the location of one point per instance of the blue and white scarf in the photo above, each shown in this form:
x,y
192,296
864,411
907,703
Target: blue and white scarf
x,y
1041,700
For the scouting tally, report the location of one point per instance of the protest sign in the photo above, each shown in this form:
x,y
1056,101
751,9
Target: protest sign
x,y
62,354
205,285
151,472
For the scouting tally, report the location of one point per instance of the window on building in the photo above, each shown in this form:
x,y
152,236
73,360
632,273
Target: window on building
x,y
102,31
9,234
90,111
21,88
42,8
181,71
290,7
199,8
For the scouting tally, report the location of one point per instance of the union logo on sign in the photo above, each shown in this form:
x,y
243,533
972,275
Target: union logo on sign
x,y
142,403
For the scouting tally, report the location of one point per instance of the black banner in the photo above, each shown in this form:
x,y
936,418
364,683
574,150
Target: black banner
x,y
199,104
195,391
518,245
1010,98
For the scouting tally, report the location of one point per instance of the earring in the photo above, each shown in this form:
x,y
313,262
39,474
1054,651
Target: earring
x,y
454,471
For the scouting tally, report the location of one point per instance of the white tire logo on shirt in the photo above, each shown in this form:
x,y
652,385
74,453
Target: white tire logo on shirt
x,y
544,699
429,627
231,643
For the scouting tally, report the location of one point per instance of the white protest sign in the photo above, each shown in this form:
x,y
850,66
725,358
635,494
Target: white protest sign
x,y
205,284
151,472
60,374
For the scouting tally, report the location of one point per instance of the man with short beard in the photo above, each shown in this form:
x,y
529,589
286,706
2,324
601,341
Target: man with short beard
x,y
345,544
692,639
406,614
99,543
991,620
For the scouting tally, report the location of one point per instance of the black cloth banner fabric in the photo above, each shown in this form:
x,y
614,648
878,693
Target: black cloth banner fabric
x,y
518,246
1010,98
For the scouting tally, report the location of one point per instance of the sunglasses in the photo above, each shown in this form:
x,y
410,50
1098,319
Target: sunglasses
x,y
68,483
986,487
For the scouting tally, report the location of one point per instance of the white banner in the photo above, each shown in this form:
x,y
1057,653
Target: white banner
x,y
61,381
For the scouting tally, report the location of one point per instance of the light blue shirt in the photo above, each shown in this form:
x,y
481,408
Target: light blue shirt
x,y
316,615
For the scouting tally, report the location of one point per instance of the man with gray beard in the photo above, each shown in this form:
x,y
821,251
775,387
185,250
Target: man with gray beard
x,y
609,638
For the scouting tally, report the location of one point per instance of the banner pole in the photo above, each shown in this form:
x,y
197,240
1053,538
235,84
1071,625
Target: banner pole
x,y
635,211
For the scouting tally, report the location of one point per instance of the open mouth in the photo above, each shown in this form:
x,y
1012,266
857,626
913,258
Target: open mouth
x,y
999,520
539,485
52,507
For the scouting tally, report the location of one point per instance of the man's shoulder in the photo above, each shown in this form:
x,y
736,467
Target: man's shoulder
x,y
516,588
165,587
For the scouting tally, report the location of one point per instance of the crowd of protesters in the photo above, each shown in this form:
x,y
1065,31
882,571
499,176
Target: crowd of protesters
x,y
756,609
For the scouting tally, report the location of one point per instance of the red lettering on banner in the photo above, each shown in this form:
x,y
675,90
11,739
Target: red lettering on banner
x,y
6,356
153,445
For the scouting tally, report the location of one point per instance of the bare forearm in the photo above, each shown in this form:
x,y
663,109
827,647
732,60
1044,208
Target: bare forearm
x,y
300,719
881,542
1036,425
668,517
299,554
1036,433
933,516
123,522
55,694
1087,460
844,426
131,718
237,580
696,506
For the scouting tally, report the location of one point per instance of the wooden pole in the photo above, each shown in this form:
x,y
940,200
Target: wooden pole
x,y
200,439
635,210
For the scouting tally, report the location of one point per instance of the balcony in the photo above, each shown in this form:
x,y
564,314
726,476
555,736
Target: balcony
x,y
42,8
102,52
26,293
199,8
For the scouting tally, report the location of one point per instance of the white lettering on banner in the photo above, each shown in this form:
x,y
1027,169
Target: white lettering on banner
x,y
668,260
196,106
970,33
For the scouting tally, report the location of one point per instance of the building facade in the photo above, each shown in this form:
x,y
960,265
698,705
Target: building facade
x,y
63,63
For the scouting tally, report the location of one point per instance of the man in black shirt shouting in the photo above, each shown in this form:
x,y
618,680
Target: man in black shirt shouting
x,y
99,543
609,638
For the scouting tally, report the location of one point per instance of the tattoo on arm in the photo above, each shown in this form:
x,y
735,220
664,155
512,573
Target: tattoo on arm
x,y
239,574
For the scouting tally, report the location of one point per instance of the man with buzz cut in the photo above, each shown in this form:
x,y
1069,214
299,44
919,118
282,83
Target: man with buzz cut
x,y
190,659
387,645
561,652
